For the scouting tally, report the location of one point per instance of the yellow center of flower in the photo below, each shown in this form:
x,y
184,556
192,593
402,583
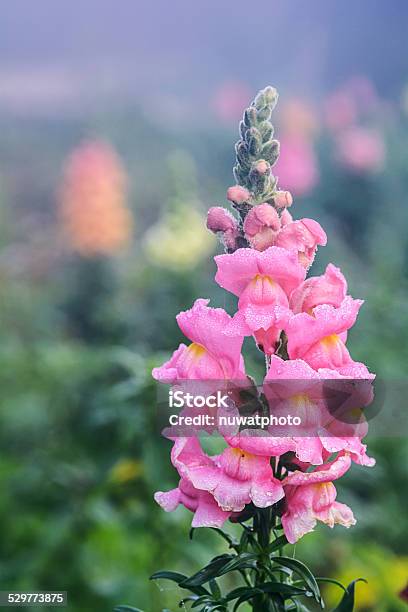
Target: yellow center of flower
x,y
330,341
196,350
240,453
300,400
263,277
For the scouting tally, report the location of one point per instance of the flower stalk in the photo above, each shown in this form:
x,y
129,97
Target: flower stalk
x,y
266,483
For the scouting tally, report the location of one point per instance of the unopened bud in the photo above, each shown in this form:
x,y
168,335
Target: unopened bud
x,y
238,194
283,199
261,226
286,217
262,166
220,220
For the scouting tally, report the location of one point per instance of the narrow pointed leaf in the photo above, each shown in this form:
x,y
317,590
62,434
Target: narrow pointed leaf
x,y
164,574
304,572
347,603
277,544
206,573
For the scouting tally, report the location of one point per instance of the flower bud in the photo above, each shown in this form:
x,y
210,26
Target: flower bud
x,y
261,226
285,217
238,194
262,166
221,222
283,199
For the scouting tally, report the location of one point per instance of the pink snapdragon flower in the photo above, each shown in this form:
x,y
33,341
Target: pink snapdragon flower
x,y
301,391
207,512
264,228
301,326
263,281
311,497
208,357
303,236
319,339
234,478
261,226
329,288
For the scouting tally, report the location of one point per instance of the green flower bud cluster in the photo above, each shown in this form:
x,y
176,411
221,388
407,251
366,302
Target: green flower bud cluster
x,y
257,151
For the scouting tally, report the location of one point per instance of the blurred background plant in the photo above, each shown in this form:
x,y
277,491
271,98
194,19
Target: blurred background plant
x,y
113,146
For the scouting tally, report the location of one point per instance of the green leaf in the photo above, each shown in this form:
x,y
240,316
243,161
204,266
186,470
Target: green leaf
x,y
304,572
284,589
126,609
173,576
250,594
204,600
188,599
277,544
296,606
332,581
178,578
277,604
242,561
215,589
347,603
206,573
241,591
233,543
278,588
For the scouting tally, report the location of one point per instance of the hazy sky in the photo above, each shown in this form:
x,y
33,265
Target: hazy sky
x,y
53,49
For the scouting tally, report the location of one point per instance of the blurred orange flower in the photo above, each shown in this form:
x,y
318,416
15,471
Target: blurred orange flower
x,y
93,210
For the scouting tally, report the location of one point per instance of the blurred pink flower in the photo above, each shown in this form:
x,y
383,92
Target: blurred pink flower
x,y
340,110
229,100
296,167
361,149
298,118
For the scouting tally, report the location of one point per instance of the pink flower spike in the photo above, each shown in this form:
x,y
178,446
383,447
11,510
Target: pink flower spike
x,y
261,226
330,288
209,357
